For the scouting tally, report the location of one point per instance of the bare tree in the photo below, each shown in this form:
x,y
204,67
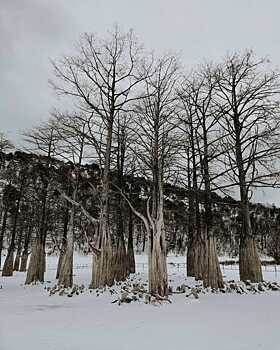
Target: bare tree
x,y
102,80
42,140
156,151
71,131
247,97
203,116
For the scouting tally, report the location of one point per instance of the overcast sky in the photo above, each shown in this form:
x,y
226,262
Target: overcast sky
x,y
33,31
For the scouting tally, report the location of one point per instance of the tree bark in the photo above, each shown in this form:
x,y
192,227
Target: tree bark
x,y
130,251
66,271
64,241
9,261
212,276
158,280
249,262
24,257
3,229
36,267
105,261
18,254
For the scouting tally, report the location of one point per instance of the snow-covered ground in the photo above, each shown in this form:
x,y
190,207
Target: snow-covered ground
x,y
30,319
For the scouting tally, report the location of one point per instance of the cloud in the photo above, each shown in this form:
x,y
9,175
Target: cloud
x,y
32,31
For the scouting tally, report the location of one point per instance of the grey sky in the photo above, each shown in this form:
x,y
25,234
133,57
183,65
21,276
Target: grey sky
x,y
32,31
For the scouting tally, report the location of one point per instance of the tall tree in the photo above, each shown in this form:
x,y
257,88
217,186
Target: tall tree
x,y
156,152
43,140
247,96
102,79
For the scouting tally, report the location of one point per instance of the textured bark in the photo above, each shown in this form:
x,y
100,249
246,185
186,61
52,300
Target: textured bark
x,y
8,264
158,279
7,269
199,258
191,258
35,272
130,251
60,259
18,254
24,257
9,261
120,261
17,260
37,263
95,271
104,262
23,261
212,276
106,274
66,271
3,229
64,240
249,262
131,260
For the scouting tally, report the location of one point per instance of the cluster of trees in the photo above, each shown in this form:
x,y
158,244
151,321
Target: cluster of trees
x,y
137,116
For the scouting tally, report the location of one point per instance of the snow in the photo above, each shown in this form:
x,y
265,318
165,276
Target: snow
x,y
31,319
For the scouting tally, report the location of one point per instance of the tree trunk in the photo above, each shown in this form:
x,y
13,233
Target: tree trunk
x,y
104,262
120,261
35,272
18,255
106,273
23,262
64,241
36,267
130,251
66,271
60,259
3,229
212,276
249,262
191,258
9,263
199,258
95,271
24,257
158,279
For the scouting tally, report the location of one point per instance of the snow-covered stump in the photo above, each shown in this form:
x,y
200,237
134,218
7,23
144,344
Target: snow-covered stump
x,y
249,262
212,275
